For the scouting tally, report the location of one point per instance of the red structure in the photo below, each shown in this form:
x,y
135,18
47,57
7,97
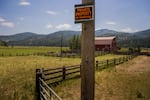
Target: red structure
x,y
107,44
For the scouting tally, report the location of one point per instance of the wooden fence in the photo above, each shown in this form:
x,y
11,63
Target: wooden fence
x,y
111,62
47,77
43,91
56,75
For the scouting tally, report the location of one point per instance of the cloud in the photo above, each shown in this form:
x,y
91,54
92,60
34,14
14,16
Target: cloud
x,y
110,23
58,27
78,28
4,22
128,29
49,26
24,3
63,26
2,19
51,12
7,24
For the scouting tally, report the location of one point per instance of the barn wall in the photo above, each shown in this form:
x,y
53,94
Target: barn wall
x,y
107,47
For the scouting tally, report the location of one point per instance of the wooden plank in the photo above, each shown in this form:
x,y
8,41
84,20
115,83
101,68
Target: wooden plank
x,y
43,95
44,90
50,69
73,72
73,68
46,79
50,89
53,72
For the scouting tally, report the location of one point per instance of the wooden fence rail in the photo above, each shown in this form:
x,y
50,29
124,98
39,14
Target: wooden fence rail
x,y
59,74
47,77
111,62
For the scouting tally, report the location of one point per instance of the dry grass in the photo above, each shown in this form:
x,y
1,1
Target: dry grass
x,y
129,81
17,76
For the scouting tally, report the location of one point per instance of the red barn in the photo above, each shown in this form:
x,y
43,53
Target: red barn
x,y
106,44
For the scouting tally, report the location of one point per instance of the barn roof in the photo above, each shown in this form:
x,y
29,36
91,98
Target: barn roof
x,y
104,40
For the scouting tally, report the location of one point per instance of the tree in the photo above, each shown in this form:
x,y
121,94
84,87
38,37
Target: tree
x,y
3,43
75,43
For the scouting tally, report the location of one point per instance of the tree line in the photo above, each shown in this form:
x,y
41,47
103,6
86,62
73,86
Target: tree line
x,y
75,43
3,43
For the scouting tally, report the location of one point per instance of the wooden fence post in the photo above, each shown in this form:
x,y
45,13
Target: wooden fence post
x,y
119,60
38,75
97,65
51,98
42,72
64,72
124,59
114,61
80,68
107,62
129,57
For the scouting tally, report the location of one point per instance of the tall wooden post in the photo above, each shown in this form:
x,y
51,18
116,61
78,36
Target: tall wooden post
x,y
38,75
88,58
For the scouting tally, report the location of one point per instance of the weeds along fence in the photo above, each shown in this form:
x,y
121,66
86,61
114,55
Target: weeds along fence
x,y
52,54
45,78
24,54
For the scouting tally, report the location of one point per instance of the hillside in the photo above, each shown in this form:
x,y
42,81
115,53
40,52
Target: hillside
x,y
52,39
141,38
18,37
145,33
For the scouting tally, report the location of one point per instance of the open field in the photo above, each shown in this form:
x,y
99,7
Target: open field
x,y
17,73
128,81
27,50
127,49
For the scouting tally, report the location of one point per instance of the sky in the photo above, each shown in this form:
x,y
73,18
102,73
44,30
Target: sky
x,y
47,16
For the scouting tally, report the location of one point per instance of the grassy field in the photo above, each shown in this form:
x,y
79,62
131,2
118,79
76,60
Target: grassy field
x,y
128,81
17,73
24,50
127,49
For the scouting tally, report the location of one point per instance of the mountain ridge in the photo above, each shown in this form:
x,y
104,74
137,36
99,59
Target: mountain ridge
x,y
53,39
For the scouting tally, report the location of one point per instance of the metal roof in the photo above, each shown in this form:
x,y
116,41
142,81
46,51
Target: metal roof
x,y
104,40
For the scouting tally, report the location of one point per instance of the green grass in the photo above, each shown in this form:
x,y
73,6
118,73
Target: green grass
x,y
22,50
123,50
108,56
127,49
145,50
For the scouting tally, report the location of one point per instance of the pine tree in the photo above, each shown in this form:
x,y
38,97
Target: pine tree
x,y
75,43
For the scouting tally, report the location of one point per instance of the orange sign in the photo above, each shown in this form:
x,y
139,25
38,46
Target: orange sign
x,y
84,13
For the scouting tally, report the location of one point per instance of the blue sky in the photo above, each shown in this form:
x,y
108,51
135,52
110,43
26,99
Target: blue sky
x,y
47,16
